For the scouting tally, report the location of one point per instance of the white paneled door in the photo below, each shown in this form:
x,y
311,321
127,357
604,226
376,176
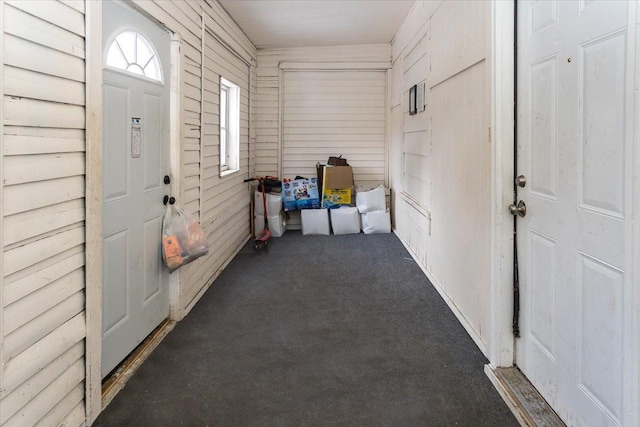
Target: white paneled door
x,y
575,93
135,161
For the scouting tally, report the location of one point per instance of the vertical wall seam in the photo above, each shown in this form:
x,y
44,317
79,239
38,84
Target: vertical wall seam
x,y
280,121
176,148
2,6
202,68
93,216
632,261
387,127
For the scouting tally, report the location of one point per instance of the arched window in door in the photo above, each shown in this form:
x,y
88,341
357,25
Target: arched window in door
x,y
132,53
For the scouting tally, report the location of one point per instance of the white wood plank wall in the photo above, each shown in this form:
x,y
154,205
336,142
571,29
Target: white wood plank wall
x,y
440,158
215,200
268,89
43,327
334,113
339,110
224,200
327,113
42,298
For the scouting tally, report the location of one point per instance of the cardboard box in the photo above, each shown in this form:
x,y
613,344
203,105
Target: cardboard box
x,y
332,199
337,183
376,222
345,220
274,204
336,177
300,194
320,175
277,224
315,221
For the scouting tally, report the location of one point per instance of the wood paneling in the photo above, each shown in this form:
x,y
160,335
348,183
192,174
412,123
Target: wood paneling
x,y
42,304
443,154
223,200
327,113
268,112
43,213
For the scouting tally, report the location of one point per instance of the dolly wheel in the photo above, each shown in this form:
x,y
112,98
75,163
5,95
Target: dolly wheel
x,y
258,246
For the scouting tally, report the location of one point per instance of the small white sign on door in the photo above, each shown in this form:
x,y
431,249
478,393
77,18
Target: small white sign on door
x,y
136,137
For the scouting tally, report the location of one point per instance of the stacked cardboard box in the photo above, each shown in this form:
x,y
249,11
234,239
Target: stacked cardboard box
x,y
337,183
299,194
275,217
345,220
374,215
315,221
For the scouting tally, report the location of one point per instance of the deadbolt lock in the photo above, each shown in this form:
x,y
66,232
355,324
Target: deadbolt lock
x,y
521,181
520,209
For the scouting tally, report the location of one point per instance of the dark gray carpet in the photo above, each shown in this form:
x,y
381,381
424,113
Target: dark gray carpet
x,y
322,331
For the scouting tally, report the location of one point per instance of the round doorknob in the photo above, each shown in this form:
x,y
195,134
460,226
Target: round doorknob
x,y
520,209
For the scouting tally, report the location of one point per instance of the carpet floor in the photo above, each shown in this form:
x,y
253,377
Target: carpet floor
x,y
321,331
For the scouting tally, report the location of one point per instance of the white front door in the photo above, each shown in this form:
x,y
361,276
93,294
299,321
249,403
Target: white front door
x,y
135,161
575,94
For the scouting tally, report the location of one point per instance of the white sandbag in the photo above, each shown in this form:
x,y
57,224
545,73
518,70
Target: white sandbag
x,y
274,204
371,201
315,221
376,222
345,220
277,224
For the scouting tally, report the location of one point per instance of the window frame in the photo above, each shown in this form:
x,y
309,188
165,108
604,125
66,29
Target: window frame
x,y
154,59
229,128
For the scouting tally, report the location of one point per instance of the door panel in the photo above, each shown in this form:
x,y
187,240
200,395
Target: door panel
x,y
544,102
601,140
115,308
543,302
152,263
152,142
136,158
116,182
600,335
575,270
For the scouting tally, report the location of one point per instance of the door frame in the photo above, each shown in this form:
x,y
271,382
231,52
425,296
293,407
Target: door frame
x,y
93,192
502,136
635,232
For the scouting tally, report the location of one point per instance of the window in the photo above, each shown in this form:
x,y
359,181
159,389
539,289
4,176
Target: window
x,y
132,53
229,127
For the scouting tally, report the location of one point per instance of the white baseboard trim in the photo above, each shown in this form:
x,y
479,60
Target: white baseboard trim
x,y
456,311
206,287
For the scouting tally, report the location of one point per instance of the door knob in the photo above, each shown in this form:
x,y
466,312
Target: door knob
x,y
520,209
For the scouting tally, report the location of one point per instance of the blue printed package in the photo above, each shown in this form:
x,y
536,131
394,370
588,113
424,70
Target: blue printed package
x,y
300,194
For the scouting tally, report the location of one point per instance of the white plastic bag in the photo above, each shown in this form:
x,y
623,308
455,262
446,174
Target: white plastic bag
x,y
274,204
345,220
376,222
277,224
371,201
183,239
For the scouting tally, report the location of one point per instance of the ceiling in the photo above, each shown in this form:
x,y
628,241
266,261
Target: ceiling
x,y
300,23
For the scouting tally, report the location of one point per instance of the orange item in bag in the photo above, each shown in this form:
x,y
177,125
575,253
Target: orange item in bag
x,y
172,252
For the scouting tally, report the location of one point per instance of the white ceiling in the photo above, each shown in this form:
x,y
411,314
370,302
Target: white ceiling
x,y
298,23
